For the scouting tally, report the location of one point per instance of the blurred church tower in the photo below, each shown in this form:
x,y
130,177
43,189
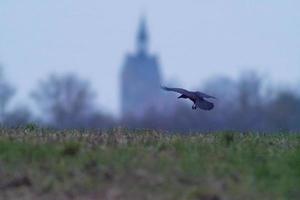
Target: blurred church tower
x,y
140,78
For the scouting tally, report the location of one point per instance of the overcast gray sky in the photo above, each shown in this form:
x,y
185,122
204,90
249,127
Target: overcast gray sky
x,y
195,40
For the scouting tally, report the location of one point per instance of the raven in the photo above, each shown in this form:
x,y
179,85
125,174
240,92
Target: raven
x,y
198,98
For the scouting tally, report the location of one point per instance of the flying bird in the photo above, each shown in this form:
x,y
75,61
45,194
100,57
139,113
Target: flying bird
x,y
198,98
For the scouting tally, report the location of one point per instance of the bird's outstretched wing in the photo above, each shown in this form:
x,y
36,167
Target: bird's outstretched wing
x,y
203,95
178,90
203,104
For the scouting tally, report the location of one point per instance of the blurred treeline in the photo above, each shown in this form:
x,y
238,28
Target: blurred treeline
x,y
67,101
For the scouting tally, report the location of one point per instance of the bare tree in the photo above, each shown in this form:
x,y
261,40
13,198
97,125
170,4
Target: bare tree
x,y
283,113
18,117
65,101
6,93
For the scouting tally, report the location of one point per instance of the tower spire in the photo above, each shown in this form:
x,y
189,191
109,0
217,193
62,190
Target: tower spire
x,y
142,37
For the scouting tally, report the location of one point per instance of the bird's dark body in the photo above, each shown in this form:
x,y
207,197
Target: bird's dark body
x,y
198,98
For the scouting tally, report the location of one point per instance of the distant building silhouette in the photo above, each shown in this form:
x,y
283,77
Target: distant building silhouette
x,y
140,78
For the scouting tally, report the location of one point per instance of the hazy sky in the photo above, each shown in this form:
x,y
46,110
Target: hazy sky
x,y
195,40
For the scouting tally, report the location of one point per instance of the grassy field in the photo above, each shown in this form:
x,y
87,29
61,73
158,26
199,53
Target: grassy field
x,y
139,165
